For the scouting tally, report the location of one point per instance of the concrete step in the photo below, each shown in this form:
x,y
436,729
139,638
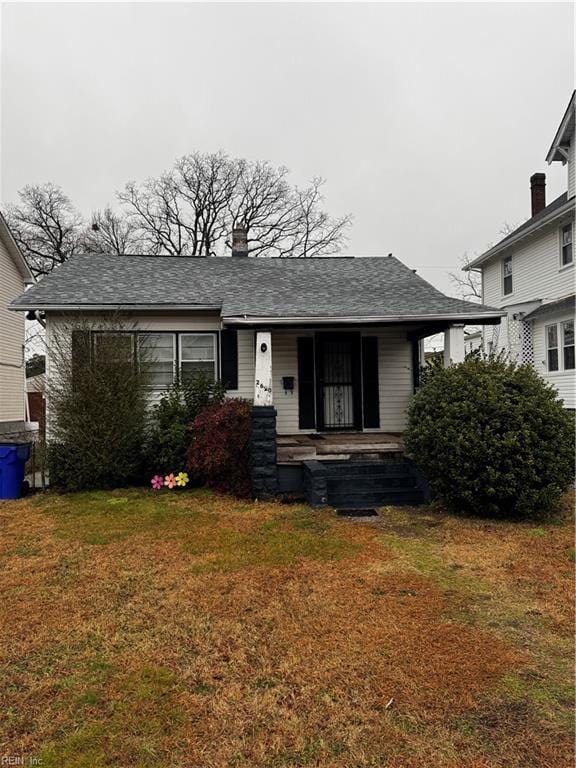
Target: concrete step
x,y
371,482
363,499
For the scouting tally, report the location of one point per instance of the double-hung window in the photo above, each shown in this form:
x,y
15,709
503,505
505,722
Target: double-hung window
x,y
113,347
566,252
552,347
198,355
568,344
507,276
158,357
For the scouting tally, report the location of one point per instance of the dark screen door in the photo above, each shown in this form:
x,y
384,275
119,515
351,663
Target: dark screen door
x,y
338,371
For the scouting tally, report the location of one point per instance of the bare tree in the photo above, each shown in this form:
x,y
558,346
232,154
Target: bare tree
x,y
111,232
46,226
191,209
468,282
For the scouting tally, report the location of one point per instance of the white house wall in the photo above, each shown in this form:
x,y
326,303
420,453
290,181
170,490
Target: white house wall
x,y
12,372
395,372
395,364
572,169
563,381
536,272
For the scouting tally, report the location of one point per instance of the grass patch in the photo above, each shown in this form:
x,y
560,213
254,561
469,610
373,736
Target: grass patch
x,y
151,629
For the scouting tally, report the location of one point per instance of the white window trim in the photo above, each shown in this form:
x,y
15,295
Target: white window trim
x,y
182,359
549,348
560,347
570,264
563,346
158,387
505,259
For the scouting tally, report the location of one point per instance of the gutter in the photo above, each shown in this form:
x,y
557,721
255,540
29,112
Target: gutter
x,y
455,318
113,307
566,208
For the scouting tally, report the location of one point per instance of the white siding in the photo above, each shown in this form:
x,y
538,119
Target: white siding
x,y
536,272
12,405
395,372
563,381
572,169
395,365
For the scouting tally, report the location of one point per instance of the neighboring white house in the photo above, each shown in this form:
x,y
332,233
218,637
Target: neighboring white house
x,y
530,275
472,342
14,276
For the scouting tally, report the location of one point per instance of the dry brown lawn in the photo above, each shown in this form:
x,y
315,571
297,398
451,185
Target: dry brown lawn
x,y
165,629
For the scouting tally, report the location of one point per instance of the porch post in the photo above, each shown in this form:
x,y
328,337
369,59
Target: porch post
x,y
263,458
453,345
263,369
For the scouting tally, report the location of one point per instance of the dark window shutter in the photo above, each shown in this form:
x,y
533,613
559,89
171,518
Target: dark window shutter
x,y
415,364
370,383
229,358
306,415
80,355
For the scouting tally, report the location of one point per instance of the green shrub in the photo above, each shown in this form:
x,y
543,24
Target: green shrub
x,y
219,454
97,406
492,438
169,429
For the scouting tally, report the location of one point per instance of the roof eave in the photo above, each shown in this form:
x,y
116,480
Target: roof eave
x,y
15,252
113,307
508,243
563,136
459,317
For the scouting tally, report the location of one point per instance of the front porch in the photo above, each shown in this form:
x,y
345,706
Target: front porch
x,y
338,446
329,411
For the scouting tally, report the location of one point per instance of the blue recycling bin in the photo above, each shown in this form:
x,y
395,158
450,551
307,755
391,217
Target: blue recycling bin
x,y
13,458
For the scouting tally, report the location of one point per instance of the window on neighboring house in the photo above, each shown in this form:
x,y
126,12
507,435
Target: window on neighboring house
x,y
552,347
507,275
158,351
198,354
566,252
568,344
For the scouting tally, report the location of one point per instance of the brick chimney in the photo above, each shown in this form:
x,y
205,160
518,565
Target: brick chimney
x,y
538,192
240,240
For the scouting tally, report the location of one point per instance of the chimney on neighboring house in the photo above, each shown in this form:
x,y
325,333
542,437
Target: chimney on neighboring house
x,y
240,240
538,192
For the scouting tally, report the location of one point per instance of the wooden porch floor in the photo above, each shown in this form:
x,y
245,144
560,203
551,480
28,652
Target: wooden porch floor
x,y
337,446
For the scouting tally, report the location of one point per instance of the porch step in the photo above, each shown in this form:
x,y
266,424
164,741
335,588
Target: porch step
x,y
359,484
376,482
372,498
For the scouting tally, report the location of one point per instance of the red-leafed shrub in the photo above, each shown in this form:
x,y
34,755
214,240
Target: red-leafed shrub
x,y
219,453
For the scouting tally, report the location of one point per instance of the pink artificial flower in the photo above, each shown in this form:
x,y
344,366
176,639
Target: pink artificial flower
x,y
157,482
170,481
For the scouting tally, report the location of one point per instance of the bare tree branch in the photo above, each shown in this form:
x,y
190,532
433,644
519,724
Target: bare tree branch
x,y
191,210
46,226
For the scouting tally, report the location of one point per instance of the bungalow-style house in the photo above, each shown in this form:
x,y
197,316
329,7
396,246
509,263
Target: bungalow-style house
x,y
327,349
14,276
530,276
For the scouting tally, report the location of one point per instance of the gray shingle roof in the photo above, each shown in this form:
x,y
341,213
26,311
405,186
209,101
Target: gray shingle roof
x,y
376,287
568,304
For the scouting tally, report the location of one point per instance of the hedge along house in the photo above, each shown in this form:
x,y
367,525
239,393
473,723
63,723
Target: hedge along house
x,y
327,349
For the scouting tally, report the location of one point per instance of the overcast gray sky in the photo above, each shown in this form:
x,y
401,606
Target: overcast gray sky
x,y
426,119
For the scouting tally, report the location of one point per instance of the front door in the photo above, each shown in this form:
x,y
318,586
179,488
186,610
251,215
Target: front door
x,y
338,395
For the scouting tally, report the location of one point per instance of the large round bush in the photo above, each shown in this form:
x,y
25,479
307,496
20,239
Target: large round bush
x,y
492,438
